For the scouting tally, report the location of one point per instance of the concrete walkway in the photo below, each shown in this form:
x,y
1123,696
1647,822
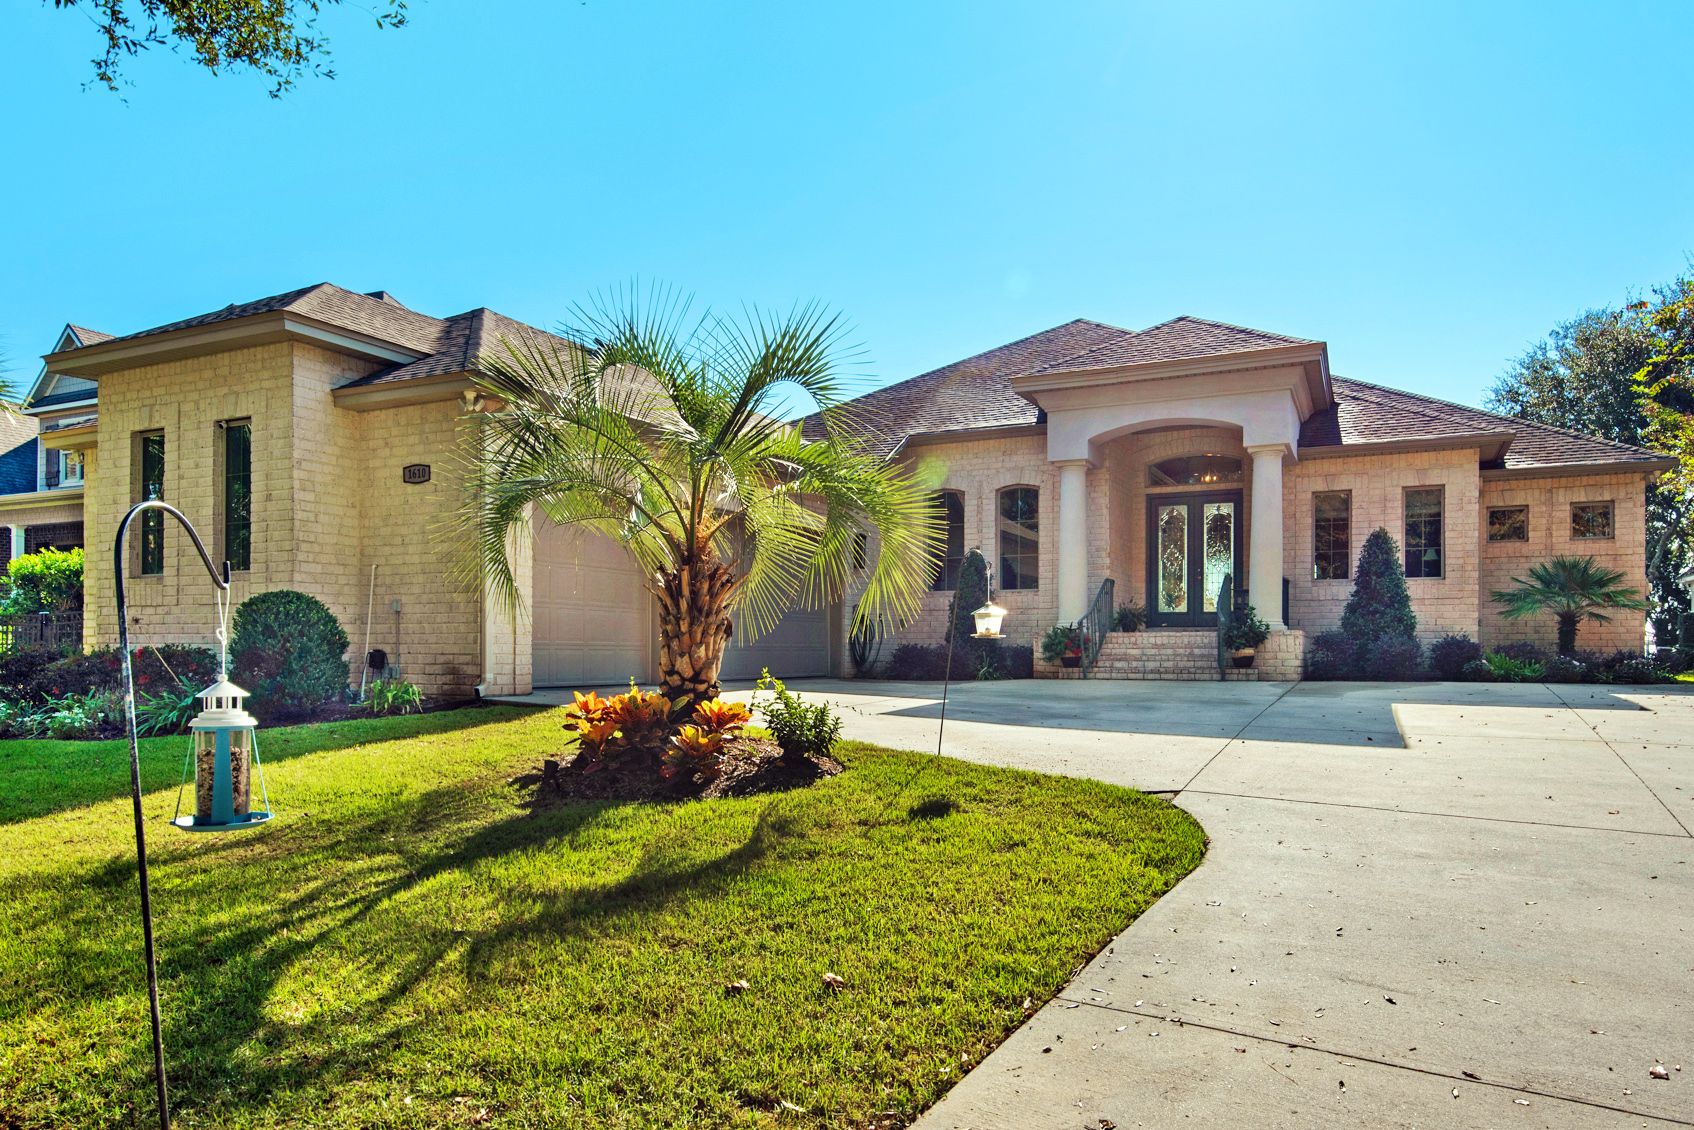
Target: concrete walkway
x,y
1412,890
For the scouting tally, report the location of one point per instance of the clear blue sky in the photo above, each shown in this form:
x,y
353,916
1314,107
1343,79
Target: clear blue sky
x,y
1427,187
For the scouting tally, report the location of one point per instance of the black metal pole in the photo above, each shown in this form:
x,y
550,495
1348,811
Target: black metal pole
x,y
135,775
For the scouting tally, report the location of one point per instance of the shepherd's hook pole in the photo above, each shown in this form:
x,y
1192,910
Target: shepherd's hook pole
x,y
135,774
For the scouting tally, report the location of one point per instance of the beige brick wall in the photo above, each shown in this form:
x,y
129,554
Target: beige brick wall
x,y
328,503
1378,484
186,399
1549,501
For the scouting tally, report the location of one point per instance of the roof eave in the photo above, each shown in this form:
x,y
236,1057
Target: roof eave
x,y
91,361
399,393
41,499
1649,467
1490,445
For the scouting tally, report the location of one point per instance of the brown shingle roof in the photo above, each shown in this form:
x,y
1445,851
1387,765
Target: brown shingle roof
x,y
976,393
1366,413
380,318
468,339
1176,340
966,395
88,336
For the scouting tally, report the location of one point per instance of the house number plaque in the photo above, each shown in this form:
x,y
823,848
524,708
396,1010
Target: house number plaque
x,y
415,473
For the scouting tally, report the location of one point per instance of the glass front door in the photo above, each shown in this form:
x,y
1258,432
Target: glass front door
x,y
1193,543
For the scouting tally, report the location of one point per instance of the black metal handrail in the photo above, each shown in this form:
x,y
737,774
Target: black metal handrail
x,y
1226,609
1096,623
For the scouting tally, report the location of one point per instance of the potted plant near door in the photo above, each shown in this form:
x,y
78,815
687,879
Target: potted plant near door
x,y
1063,645
1243,634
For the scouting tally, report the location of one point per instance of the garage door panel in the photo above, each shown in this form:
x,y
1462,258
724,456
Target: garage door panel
x,y
798,646
592,616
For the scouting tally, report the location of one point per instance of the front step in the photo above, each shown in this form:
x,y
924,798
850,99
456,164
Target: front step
x,y
1187,654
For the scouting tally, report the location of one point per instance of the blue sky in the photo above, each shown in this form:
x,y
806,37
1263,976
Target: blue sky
x,y
1429,187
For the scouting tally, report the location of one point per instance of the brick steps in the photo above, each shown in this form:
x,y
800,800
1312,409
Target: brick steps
x,y
1188,654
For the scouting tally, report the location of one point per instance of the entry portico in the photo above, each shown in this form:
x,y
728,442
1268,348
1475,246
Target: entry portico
x,y
1263,393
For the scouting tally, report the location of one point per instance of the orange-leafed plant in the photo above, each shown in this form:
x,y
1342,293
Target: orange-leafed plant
x,y
716,714
696,751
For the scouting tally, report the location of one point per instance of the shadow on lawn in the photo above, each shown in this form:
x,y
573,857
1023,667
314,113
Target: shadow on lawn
x,y
39,778
339,890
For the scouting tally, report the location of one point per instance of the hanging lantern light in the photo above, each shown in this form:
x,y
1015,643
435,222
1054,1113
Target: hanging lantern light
x,y
225,754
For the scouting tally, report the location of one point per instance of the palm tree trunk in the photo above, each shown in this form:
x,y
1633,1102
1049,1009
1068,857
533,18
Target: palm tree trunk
x,y
1567,633
694,628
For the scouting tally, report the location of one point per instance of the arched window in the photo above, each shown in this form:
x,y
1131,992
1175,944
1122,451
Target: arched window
x,y
1020,538
951,504
1194,470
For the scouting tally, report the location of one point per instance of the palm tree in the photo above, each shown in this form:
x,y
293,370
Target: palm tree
x,y
1572,588
665,434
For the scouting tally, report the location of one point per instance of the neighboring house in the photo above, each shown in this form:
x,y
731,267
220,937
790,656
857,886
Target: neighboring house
x,y
313,437
41,487
1167,458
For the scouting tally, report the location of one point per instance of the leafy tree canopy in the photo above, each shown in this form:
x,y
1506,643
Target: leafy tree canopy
x,y
1625,375
278,38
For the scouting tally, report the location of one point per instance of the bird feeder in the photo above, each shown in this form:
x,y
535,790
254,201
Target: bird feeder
x,y
225,756
988,620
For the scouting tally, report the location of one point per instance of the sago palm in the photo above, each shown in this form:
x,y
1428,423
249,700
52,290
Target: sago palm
x,y
667,435
1573,589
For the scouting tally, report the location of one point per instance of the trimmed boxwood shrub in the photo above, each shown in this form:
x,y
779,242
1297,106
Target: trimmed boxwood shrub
x,y
1330,656
921,661
289,652
1449,655
1391,659
1564,669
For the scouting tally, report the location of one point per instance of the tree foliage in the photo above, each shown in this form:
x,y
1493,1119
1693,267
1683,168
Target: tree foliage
x,y
1573,589
1380,607
666,434
48,580
970,654
1624,375
278,38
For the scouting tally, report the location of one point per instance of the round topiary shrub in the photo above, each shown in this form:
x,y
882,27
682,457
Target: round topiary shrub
x,y
1449,655
289,652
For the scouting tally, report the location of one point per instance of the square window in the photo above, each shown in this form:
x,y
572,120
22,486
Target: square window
x,y
1508,523
1590,521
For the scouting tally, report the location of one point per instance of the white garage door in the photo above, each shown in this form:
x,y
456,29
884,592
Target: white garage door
x,y
594,622
797,646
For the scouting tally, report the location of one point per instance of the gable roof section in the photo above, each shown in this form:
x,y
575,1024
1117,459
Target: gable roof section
x,y
381,318
967,395
18,467
1179,339
467,341
1366,414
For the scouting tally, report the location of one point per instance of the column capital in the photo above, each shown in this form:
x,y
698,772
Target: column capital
x,y
1091,463
1281,450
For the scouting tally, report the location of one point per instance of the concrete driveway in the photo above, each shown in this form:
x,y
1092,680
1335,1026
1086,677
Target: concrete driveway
x,y
1424,904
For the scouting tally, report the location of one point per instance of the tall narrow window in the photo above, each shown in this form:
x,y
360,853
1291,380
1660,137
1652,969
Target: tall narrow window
x,y
152,485
1020,538
1332,535
238,494
1423,532
951,505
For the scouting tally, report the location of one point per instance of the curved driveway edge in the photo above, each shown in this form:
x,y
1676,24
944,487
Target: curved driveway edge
x,y
1424,904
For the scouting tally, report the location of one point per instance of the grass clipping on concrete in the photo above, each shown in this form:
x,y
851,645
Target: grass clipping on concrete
x,y
408,945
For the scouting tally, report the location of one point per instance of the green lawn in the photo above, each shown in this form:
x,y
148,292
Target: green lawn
x,y
406,945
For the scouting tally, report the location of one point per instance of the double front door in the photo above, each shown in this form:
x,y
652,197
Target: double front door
x,y
1193,543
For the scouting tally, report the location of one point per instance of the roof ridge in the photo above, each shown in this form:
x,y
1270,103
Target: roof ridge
x,y
1233,326
1515,420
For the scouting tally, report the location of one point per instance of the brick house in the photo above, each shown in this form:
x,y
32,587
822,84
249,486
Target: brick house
x,y
40,486
313,437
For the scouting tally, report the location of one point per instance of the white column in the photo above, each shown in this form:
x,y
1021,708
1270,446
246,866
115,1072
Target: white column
x,y
15,538
1073,540
1264,555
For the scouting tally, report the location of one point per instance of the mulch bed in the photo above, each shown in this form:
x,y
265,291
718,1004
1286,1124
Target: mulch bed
x,y
751,766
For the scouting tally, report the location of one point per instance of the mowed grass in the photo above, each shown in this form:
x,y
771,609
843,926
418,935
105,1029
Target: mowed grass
x,y
407,945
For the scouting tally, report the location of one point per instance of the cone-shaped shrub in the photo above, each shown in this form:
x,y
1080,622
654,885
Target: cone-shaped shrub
x,y
1380,607
970,655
